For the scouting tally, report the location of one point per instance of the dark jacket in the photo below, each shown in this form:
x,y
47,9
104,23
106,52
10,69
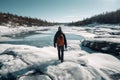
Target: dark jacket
x,y
55,38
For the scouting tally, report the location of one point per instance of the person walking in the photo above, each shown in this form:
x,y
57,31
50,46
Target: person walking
x,y
61,43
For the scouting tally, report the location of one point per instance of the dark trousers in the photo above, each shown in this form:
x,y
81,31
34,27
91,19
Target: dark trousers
x,y
60,53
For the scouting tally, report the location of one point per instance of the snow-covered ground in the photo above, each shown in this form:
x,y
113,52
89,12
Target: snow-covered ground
x,y
23,62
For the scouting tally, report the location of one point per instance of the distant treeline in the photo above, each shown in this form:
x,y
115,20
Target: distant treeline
x,y
15,20
104,18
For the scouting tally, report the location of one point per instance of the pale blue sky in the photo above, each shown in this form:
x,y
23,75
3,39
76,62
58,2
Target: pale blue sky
x,y
58,10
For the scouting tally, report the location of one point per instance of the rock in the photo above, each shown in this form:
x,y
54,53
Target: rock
x,y
103,46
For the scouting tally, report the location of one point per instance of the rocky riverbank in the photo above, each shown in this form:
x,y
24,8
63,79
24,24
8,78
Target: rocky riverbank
x,y
103,46
107,39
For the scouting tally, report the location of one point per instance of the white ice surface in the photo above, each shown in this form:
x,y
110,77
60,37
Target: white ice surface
x,y
78,64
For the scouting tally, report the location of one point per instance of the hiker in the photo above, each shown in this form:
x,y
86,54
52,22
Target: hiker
x,y
61,43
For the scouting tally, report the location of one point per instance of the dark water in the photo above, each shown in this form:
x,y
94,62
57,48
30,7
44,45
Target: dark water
x,y
39,40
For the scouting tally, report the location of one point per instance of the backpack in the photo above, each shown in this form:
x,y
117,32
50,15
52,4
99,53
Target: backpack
x,y
60,40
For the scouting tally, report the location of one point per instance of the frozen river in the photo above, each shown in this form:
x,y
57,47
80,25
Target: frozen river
x,y
29,62
40,38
